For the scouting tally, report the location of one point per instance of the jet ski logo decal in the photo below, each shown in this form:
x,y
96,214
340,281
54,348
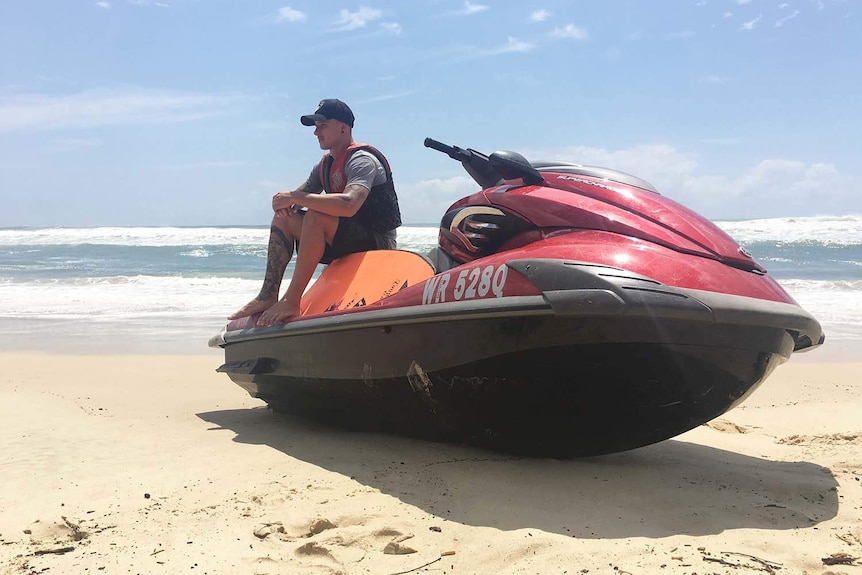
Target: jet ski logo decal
x,y
471,283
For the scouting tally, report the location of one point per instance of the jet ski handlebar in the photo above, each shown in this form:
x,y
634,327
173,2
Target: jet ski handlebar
x,y
453,152
475,163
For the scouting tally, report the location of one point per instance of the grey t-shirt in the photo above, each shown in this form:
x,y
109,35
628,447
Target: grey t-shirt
x,y
362,169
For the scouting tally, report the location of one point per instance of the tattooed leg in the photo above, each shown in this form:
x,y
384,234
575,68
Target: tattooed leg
x,y
316,229
278,255
279,252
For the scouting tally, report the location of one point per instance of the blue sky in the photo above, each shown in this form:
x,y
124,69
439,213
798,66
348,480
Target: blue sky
x,y
186,112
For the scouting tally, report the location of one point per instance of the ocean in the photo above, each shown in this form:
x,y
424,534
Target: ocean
x,y
168,289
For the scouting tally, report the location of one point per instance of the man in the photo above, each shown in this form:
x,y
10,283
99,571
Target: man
x,y
358,212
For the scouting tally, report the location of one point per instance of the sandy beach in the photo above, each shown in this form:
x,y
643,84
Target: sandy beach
x,y
157,464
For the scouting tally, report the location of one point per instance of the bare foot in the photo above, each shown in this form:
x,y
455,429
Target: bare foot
x,y
281,312
254,306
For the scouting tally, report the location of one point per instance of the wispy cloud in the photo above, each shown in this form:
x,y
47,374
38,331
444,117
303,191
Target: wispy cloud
x,y
712,79
385,97
147,3
539,15
677,174
751,24
106,108
723,141
428,198
103,4
269,184
571,31
470,8
206,165
463,53
791,16
512,45
348,20
288,14
392,27
742,2
73,144
682,35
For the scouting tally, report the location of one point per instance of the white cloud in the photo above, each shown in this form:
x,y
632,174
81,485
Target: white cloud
x,y
512,45
751,24
288,14
73,144
660,164
147,3
206,165
571,31
741,2
348,20
429,199
712,79
539,15
392,27
781,22
683,35
728,15
106,108
103,4
470,8
803,189
386,97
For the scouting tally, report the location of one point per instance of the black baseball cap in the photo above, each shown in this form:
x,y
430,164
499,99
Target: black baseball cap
x,y
330,109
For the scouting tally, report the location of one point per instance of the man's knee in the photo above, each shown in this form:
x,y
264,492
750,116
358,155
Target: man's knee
x,y
317,219
316,222
290,227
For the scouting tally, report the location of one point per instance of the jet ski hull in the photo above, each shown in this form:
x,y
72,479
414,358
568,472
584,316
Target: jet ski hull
x,y
565,373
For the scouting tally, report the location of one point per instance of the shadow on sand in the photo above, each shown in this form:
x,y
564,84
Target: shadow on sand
x,y
670,488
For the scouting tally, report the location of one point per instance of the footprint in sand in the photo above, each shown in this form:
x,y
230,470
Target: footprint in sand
x,y
314,549
347,541
319,526
727,426
396,548
830,439
57,532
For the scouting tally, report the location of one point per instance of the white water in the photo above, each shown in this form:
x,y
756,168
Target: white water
x,y
197,276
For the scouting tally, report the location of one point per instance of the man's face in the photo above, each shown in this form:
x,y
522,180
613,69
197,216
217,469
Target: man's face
x,y
328,133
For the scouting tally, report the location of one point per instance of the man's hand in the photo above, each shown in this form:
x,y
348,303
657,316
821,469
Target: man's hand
x,y
284,204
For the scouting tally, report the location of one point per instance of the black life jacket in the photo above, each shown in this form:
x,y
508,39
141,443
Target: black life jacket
x,y
380,211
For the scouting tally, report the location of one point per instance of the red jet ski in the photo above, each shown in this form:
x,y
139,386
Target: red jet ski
x,y
567,310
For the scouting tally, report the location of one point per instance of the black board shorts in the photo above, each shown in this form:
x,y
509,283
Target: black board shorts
x,y
352,236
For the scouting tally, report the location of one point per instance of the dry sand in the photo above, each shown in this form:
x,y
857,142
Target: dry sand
x,y
159,465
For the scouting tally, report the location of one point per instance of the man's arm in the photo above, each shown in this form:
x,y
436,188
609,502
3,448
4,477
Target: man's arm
x,y
284,206
341,205
361,171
